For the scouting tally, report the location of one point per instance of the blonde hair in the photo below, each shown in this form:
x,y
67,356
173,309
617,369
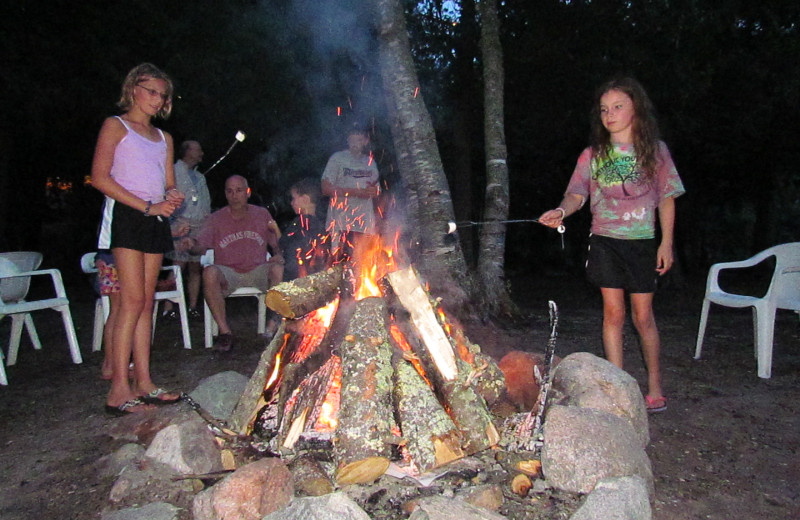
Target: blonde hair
x,y
140,73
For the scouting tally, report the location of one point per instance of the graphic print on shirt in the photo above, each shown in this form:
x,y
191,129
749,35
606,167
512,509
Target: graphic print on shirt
x,y
619,172
356,174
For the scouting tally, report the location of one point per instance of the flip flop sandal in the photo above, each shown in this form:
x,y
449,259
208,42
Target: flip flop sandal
x,y
654,405
154,397
123,409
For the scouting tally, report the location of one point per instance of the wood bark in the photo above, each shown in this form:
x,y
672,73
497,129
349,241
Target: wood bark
x,y
494,296
309,477
440,259
252,399
415,300
431,437
362,444
300,296
305,405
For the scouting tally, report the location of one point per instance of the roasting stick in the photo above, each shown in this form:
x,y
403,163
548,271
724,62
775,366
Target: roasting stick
x,y
453,226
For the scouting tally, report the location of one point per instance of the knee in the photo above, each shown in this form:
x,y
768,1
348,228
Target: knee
x,y
614,317
643,321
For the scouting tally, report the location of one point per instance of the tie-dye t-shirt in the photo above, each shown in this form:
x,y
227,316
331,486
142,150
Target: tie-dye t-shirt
x,y
622,200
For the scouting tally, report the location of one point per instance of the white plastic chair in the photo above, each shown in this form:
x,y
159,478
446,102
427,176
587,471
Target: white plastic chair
x,y
16,269
210,325
783,293
102,305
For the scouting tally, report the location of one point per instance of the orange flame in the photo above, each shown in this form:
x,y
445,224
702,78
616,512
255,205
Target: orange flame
x,y
329,411
405,346
275,371
372,260
315,327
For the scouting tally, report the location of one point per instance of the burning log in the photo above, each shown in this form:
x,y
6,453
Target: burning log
x,y
431,437
306,406
362,443
252,399
412,295
470,413
302,295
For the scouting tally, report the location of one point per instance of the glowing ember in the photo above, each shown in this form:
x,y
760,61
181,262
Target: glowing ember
x,y
408,352
329,411
315,326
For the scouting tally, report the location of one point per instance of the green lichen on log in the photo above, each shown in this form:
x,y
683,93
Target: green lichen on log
x,y
302,295
365,413
422,419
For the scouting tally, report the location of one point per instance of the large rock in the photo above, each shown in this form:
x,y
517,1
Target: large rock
x,y
218,394
249,493
154,511
623,498
584,445
187,448
334,506
587,381
442,508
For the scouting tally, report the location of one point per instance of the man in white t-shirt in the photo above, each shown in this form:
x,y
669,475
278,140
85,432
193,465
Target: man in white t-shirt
x,y
351,180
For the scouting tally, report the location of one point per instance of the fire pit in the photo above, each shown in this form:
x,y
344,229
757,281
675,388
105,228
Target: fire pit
x,y
368,369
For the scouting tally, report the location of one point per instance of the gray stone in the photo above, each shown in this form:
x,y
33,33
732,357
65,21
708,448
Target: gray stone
x,y
148,481
440,508
587,381
623,498
218,394
584,445
154,511
334,506
112,465
187,448
249,493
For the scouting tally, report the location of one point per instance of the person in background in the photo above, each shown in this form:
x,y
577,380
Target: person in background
x,y
304,241
132,167
628,175
351,180
241,235
193,212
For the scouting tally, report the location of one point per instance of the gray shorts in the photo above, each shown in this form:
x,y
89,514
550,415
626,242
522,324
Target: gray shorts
x,y
258,277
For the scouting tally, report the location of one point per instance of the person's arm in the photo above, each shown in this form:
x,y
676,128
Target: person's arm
x,y
666,218
570,204
370,192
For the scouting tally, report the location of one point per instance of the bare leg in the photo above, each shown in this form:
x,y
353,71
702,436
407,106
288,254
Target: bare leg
x,y
645,322
108,335
613,322
195,277
213,284
131,270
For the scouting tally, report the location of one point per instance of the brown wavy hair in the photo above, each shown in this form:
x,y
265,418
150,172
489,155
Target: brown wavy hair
x,y
140,73
645,125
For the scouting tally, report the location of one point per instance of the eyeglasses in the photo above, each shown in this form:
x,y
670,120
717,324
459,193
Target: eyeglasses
x,y
154,93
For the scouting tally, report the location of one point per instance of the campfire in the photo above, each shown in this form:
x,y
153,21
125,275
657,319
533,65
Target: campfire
x,y
368,369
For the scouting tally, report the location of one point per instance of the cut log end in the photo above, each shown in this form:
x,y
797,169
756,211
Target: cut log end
x,y
362,471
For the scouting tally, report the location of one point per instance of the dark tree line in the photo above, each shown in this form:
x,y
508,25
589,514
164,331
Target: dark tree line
x,y
721,73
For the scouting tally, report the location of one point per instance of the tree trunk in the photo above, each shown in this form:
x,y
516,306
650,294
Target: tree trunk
x,y
440,260
495,297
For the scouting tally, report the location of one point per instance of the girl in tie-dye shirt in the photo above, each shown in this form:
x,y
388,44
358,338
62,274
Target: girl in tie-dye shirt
x,y
631,182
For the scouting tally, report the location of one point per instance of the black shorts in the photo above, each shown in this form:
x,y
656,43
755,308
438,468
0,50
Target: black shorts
x,y
123,226
622,264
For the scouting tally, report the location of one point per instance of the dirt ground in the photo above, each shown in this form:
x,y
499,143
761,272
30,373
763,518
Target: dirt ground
x,y
727,447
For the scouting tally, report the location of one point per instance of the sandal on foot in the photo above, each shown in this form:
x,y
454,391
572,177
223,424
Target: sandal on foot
x,y
125,408
657,404
155,397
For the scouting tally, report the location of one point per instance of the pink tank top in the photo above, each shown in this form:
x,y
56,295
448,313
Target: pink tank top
x,y
139,165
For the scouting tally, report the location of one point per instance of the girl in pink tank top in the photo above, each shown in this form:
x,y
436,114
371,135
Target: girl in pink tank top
x,y
132,167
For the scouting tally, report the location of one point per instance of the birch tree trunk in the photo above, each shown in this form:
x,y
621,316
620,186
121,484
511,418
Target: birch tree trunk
x,y
496,299
440,258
